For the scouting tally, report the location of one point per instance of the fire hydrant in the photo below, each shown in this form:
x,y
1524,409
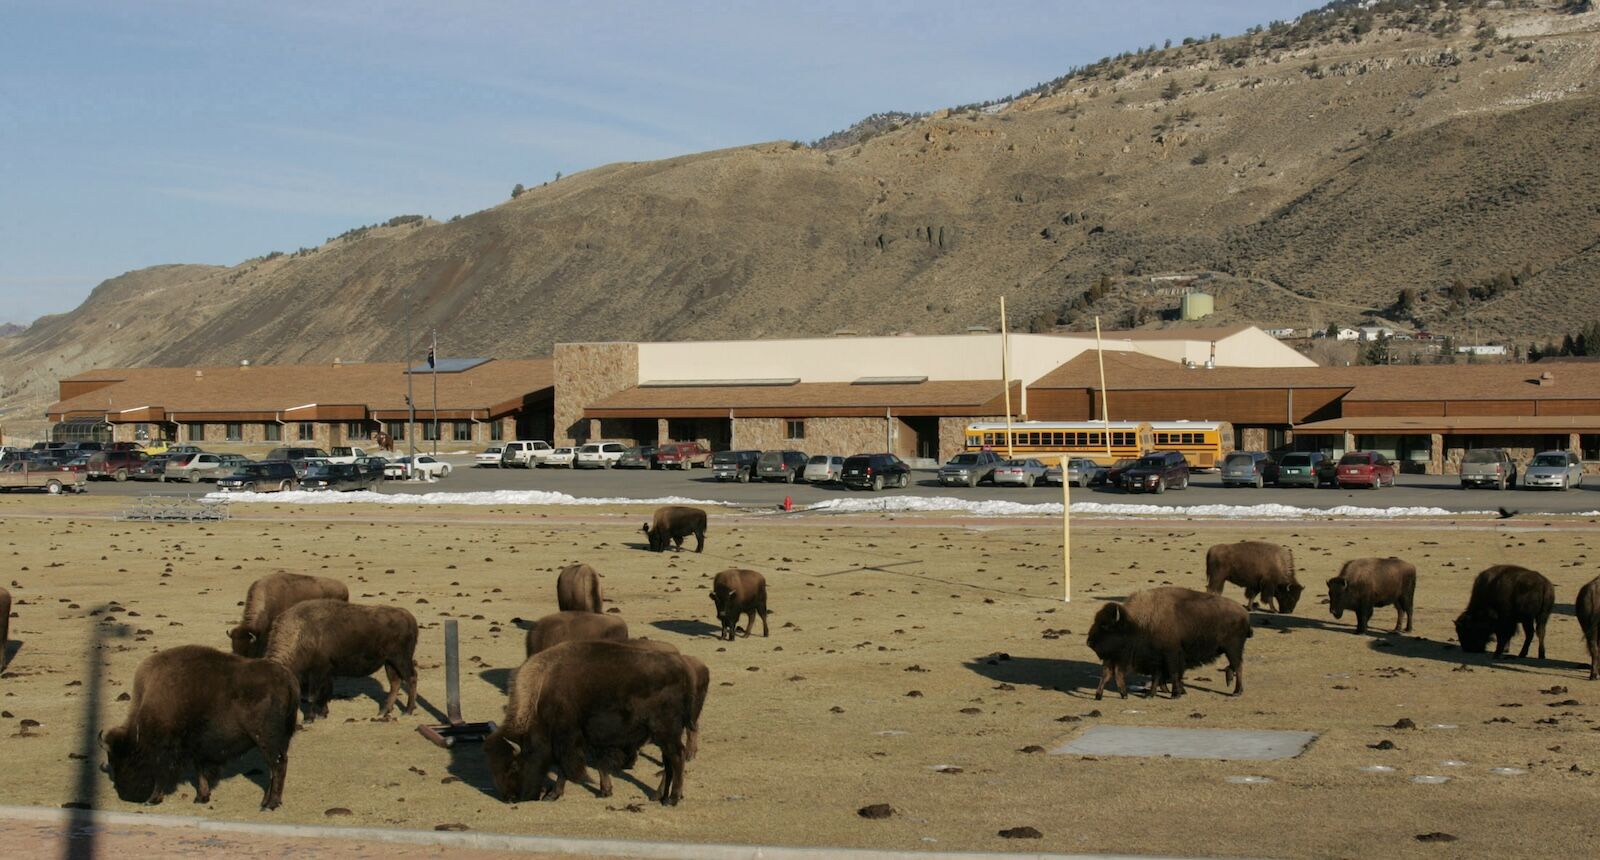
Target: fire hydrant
x,y
788,503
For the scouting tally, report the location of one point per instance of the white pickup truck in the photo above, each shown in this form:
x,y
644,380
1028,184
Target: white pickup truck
x,y
346,455
525,454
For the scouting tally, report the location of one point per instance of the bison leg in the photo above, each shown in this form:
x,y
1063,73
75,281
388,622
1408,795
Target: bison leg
x,y
1592,639
206,777
1175,673
1106,674
699,541
1527,639
1363,615
1250,599
1543,620
394,693
671,788
1235,668
763,613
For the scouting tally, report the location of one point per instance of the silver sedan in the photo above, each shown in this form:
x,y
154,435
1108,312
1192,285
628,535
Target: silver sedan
x,y
1555,470
1021,472
1081,471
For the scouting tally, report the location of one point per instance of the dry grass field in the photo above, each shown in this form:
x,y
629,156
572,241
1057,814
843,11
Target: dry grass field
x,y
898,645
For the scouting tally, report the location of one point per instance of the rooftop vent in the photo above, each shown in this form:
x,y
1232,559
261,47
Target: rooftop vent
x,y
1546,378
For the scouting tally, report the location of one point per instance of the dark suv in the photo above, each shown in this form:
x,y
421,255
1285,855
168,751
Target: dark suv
x,y
1157,473
1306,469
734,465
783,466
970,468
261,478
115,465
874,471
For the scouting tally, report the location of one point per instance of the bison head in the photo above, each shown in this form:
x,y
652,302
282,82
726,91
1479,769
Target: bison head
x,y
1111,626
1288,596
505,766
657,542
135,772
246,643
1473,633
1336,588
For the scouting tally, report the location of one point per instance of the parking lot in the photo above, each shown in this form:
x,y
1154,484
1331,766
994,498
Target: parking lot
x,y
1436,491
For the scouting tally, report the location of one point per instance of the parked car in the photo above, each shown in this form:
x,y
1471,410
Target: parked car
x,y
90,447
638,457
293,454
1022,471
1307,469
179,449
20,474
785,466
1114,471
682,455
340,477
1249,469
734,465
874,471
599,455
269,477
1157,472
346,454
195,468
562,457
823,468
1081,471
525,453
490,458
127,446
153,469
1365,469
970,468
114,465
372,465
1488,467
422,466
1556,470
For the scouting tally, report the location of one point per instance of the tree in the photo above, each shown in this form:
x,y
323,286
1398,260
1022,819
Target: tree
x,y
1407,301
1333,331
1567,345
1171,90
1458,291
516,191
1534,353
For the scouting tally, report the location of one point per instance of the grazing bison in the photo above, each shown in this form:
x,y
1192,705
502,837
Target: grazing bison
x,y
606,697
571,626
1504,596
268,597
578,587
320,640
1588,608
737,592
1163,631
1261,568
673,523
1365,583
198,708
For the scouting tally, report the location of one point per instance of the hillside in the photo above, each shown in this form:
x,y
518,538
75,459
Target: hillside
x,y
1311,171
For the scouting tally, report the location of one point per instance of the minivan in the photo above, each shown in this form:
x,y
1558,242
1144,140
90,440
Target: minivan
x,y
599,455
785,466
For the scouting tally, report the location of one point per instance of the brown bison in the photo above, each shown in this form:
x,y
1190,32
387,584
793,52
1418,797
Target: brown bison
x,y
320,640
268,597
1163,631
578,587
1262,568
197,708
1588,607
737,592
673,523
605,697
1504,596
1365,583
572,626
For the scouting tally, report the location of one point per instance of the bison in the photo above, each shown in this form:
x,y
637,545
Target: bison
x,y
197,708
268,597
1365,583
606,697
737,592
319,640
578,588
1588,607
1504,596
673,523
1262,568
570,626
1163,631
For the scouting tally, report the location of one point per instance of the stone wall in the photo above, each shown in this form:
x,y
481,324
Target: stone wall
x,y
841,436
587,373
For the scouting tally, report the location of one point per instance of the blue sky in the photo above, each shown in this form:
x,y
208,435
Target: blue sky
x,y
134,134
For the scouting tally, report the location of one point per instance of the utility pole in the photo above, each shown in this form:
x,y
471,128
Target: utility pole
x,y
433,369
411,402
1005,373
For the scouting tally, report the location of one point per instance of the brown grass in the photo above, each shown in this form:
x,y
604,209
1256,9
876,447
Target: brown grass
x,y
803,728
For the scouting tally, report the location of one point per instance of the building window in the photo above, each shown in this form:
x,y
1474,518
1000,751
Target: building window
x,y
235,432
355,430
397,430
197,432
308,431
272,431
430,431
497,431
1590,443
794,428
463,431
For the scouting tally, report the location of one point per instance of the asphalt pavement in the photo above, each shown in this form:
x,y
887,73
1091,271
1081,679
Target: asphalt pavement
x,y
1437,491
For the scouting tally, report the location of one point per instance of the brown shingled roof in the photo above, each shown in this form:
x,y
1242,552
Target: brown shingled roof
x,y
494,388
939,397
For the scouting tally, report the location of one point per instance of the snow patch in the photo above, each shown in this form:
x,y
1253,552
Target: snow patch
x,y
494,497
995,508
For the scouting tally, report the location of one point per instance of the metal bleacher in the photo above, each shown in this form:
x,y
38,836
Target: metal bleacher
x,y
176,509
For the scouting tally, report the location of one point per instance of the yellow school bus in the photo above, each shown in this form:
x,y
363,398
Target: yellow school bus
x,y
1202,443
1055,438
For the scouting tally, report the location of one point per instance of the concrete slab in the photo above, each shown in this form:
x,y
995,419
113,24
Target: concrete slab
x,y
1232,744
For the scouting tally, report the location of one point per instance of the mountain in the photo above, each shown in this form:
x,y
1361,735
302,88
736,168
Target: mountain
x,y
1304,173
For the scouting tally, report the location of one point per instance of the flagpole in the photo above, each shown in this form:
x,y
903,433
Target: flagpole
x,y
1005,373
411,403
1105,405
433,369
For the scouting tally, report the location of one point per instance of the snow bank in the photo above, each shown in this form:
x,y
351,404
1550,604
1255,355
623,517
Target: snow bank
x,y
995,508
494,497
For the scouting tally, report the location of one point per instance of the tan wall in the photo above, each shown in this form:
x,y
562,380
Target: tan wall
x,y
841,436
587,373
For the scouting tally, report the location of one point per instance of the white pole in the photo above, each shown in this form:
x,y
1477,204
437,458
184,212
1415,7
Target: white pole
x,y
433,367
1066,532
1105,408
1005,373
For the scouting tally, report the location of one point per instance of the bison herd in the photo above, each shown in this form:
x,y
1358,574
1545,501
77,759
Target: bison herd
x,y
589,693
